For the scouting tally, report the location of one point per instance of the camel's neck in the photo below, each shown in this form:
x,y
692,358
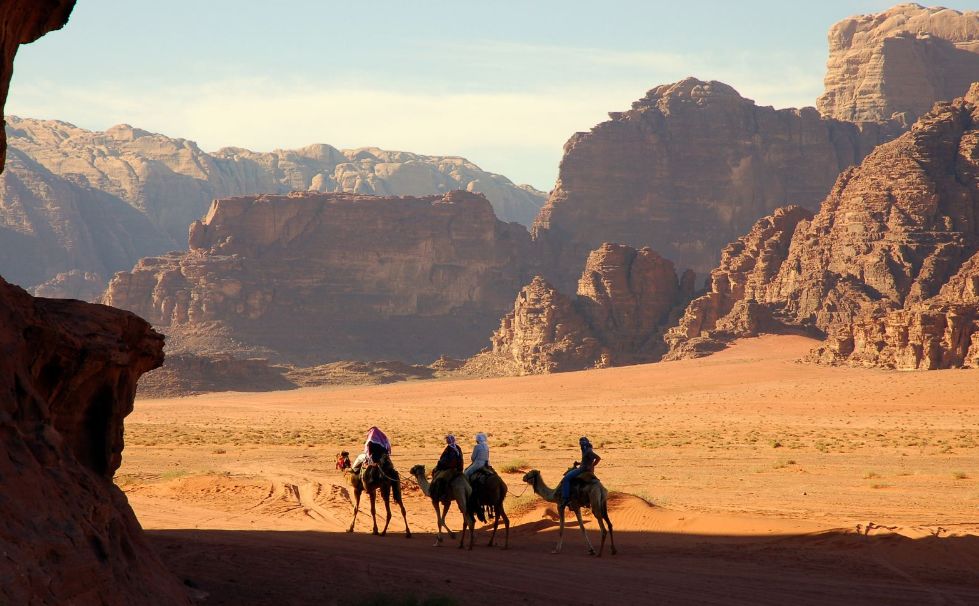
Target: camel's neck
x,y
423,482
544,491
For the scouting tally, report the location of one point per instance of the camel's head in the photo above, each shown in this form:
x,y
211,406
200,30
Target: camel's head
x,y
531,476
417,470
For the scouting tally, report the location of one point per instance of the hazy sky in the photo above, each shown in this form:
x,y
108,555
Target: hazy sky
x,y
503,83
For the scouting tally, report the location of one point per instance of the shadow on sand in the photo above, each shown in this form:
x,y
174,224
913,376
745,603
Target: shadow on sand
x,y
267,567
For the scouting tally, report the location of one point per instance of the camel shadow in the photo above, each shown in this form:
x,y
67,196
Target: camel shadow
x,y
245,567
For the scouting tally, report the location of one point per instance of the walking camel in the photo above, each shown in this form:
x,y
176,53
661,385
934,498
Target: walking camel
x,y
490,493
371,479
591,494
459,491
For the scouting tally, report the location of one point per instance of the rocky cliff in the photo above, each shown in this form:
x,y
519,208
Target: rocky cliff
x,y
68,373
312,278
730,308
897,63
688,169
624,300
97,202
886,269
50,226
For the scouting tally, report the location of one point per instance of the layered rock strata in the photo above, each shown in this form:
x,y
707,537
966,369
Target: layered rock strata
x,y
886,269
896,64
688,169
730,307
312,278
624,299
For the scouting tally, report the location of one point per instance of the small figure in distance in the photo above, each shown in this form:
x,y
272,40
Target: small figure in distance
x,y
375,447
480,455
589,459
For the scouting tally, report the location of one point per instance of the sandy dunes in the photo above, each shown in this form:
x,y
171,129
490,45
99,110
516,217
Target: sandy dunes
x,y
745,477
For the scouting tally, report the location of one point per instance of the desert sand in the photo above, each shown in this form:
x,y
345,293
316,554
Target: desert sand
x,y
745,477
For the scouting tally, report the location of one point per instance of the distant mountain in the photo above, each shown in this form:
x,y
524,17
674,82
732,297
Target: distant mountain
x,y
67,201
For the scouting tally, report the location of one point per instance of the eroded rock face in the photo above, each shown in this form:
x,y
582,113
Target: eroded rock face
x,y
897,63
68,373
688,169
730,307
624,300
173,181
545,333
886,269
312,278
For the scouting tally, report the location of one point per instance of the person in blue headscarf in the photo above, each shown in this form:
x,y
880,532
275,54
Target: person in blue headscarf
x,y
589,459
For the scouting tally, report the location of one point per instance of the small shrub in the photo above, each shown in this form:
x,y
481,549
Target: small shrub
x,y
515,466
870,475
960,475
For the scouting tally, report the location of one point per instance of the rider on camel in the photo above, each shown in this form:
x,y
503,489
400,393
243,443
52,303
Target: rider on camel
x,y
589,459
480,456
450,462
375,447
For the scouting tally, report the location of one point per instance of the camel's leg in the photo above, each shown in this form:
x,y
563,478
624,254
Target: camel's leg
x,y
496,522
472,531
438,519
445,512
357,494
560,531
584,533
404,514
373,512
386,495
611,536
500,513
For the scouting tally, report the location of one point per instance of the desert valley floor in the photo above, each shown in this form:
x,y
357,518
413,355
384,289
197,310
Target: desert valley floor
x,y
742,478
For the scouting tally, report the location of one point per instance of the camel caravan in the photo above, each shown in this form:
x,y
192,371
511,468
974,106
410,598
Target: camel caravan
x,y
477,491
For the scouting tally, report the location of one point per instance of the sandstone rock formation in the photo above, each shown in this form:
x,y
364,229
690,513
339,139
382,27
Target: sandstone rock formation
x,y
887,269
50,226
730,308
310,278
68,373
688,169
897,63
97,202
624,300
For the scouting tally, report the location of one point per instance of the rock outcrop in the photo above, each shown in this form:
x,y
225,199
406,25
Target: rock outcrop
x,y
887,269
97,202
68,374
898,63
310,278
688,169
624,300
730,308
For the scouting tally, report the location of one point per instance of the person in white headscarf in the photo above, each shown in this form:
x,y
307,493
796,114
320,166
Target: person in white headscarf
x,y
480,455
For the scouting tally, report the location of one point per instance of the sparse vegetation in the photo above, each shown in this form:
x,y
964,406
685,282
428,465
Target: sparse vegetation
x,y
515,466
960,475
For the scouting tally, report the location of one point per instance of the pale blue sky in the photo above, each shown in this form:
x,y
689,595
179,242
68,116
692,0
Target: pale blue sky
x,y
503,83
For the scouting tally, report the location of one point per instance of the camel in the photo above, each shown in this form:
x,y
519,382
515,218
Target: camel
x,y
460,493
597,501
370,479
490,493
